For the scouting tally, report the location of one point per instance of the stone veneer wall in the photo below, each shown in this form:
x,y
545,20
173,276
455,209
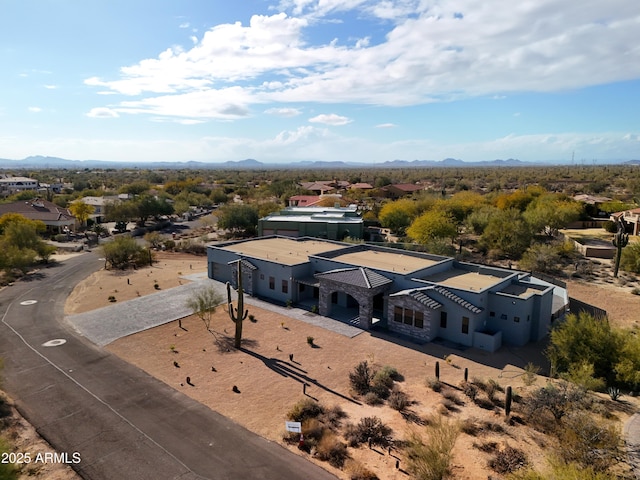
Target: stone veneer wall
x,y
424,334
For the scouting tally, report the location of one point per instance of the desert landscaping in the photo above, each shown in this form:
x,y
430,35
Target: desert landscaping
x,y
258,385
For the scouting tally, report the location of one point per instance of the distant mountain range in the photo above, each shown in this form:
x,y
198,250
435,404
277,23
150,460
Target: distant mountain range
x,y
41,162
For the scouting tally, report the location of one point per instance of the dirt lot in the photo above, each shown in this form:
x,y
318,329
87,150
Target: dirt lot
x,y
269,383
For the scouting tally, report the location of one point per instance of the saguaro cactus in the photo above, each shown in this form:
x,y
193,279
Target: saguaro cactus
x,y
237,314
620,240
507,401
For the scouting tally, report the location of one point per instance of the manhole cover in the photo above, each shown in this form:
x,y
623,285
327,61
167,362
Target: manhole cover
x,y
28,302
55,342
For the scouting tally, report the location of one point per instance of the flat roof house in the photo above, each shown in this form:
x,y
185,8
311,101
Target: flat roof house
x,y
419,295
333,223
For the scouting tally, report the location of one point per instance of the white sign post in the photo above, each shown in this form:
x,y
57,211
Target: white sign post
x,y
293,427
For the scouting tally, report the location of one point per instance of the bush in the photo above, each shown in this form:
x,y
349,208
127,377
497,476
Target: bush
x,y
333,416
429,456
508,460
304,409
361,378
310,340
470,390
398,400
434,384
357,471
331,449
453,397
368,428
372,398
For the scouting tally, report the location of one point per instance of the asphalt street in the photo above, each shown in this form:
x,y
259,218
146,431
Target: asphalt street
x,y
123,423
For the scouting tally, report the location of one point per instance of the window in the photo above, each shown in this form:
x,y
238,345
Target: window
x,y
443,319
465,325
492,314
272,283
503,316
262,276
285,286
516,319
397,314
408,317
418,319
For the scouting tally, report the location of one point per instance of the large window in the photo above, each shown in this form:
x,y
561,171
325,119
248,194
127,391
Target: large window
x,y
443,319
285,286
465,325
272,283
413,318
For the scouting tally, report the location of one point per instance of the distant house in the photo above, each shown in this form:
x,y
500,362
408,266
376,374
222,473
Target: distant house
x,y
10,185
631,218
592,204
360,186
99,204
314,200
318,188
399,190
418,295
333,223
54,217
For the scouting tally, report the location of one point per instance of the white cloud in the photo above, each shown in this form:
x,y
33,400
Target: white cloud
x,y
386,125
35,109
330,119
184,25
284,112
50,87
102,112
431,51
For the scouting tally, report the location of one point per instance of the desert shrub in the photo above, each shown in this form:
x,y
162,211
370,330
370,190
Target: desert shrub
x,y
470,426
492,388
484,403
303,409
331,449
486,447
492,427
470,390
554,399
7,470
530,374
429,453
368,428
356,471
434,384
390,372
508,460
360,378
372,398
563,471
310,340
453,397
587,442
449,405
333,416
112,298
313,431
398,400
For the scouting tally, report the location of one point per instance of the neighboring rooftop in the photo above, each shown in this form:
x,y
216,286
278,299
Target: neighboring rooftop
x,y
464,279
522,290
388,261
283,250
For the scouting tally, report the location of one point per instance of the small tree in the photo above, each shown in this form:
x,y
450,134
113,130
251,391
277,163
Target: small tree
x,y
203,303
81,211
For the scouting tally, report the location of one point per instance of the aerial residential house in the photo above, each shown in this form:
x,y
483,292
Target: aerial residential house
x,y
10,185
99,205
56,219
399,190
421,296
360,186
333,223
631,219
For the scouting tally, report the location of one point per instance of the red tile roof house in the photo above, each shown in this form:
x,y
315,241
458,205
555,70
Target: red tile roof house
x,y
402,189
54,217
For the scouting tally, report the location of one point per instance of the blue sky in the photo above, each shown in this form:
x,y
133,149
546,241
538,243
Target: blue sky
x,y
291,80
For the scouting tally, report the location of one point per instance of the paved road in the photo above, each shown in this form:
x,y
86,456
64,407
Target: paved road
x,y
124,423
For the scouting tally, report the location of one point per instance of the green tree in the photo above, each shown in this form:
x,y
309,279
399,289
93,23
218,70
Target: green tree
x,y
241,220
203,303
81,211
431,225
507,233
121,211
540,257
550,212
630,259
149,206
581,339
398,215
124,252
135,188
